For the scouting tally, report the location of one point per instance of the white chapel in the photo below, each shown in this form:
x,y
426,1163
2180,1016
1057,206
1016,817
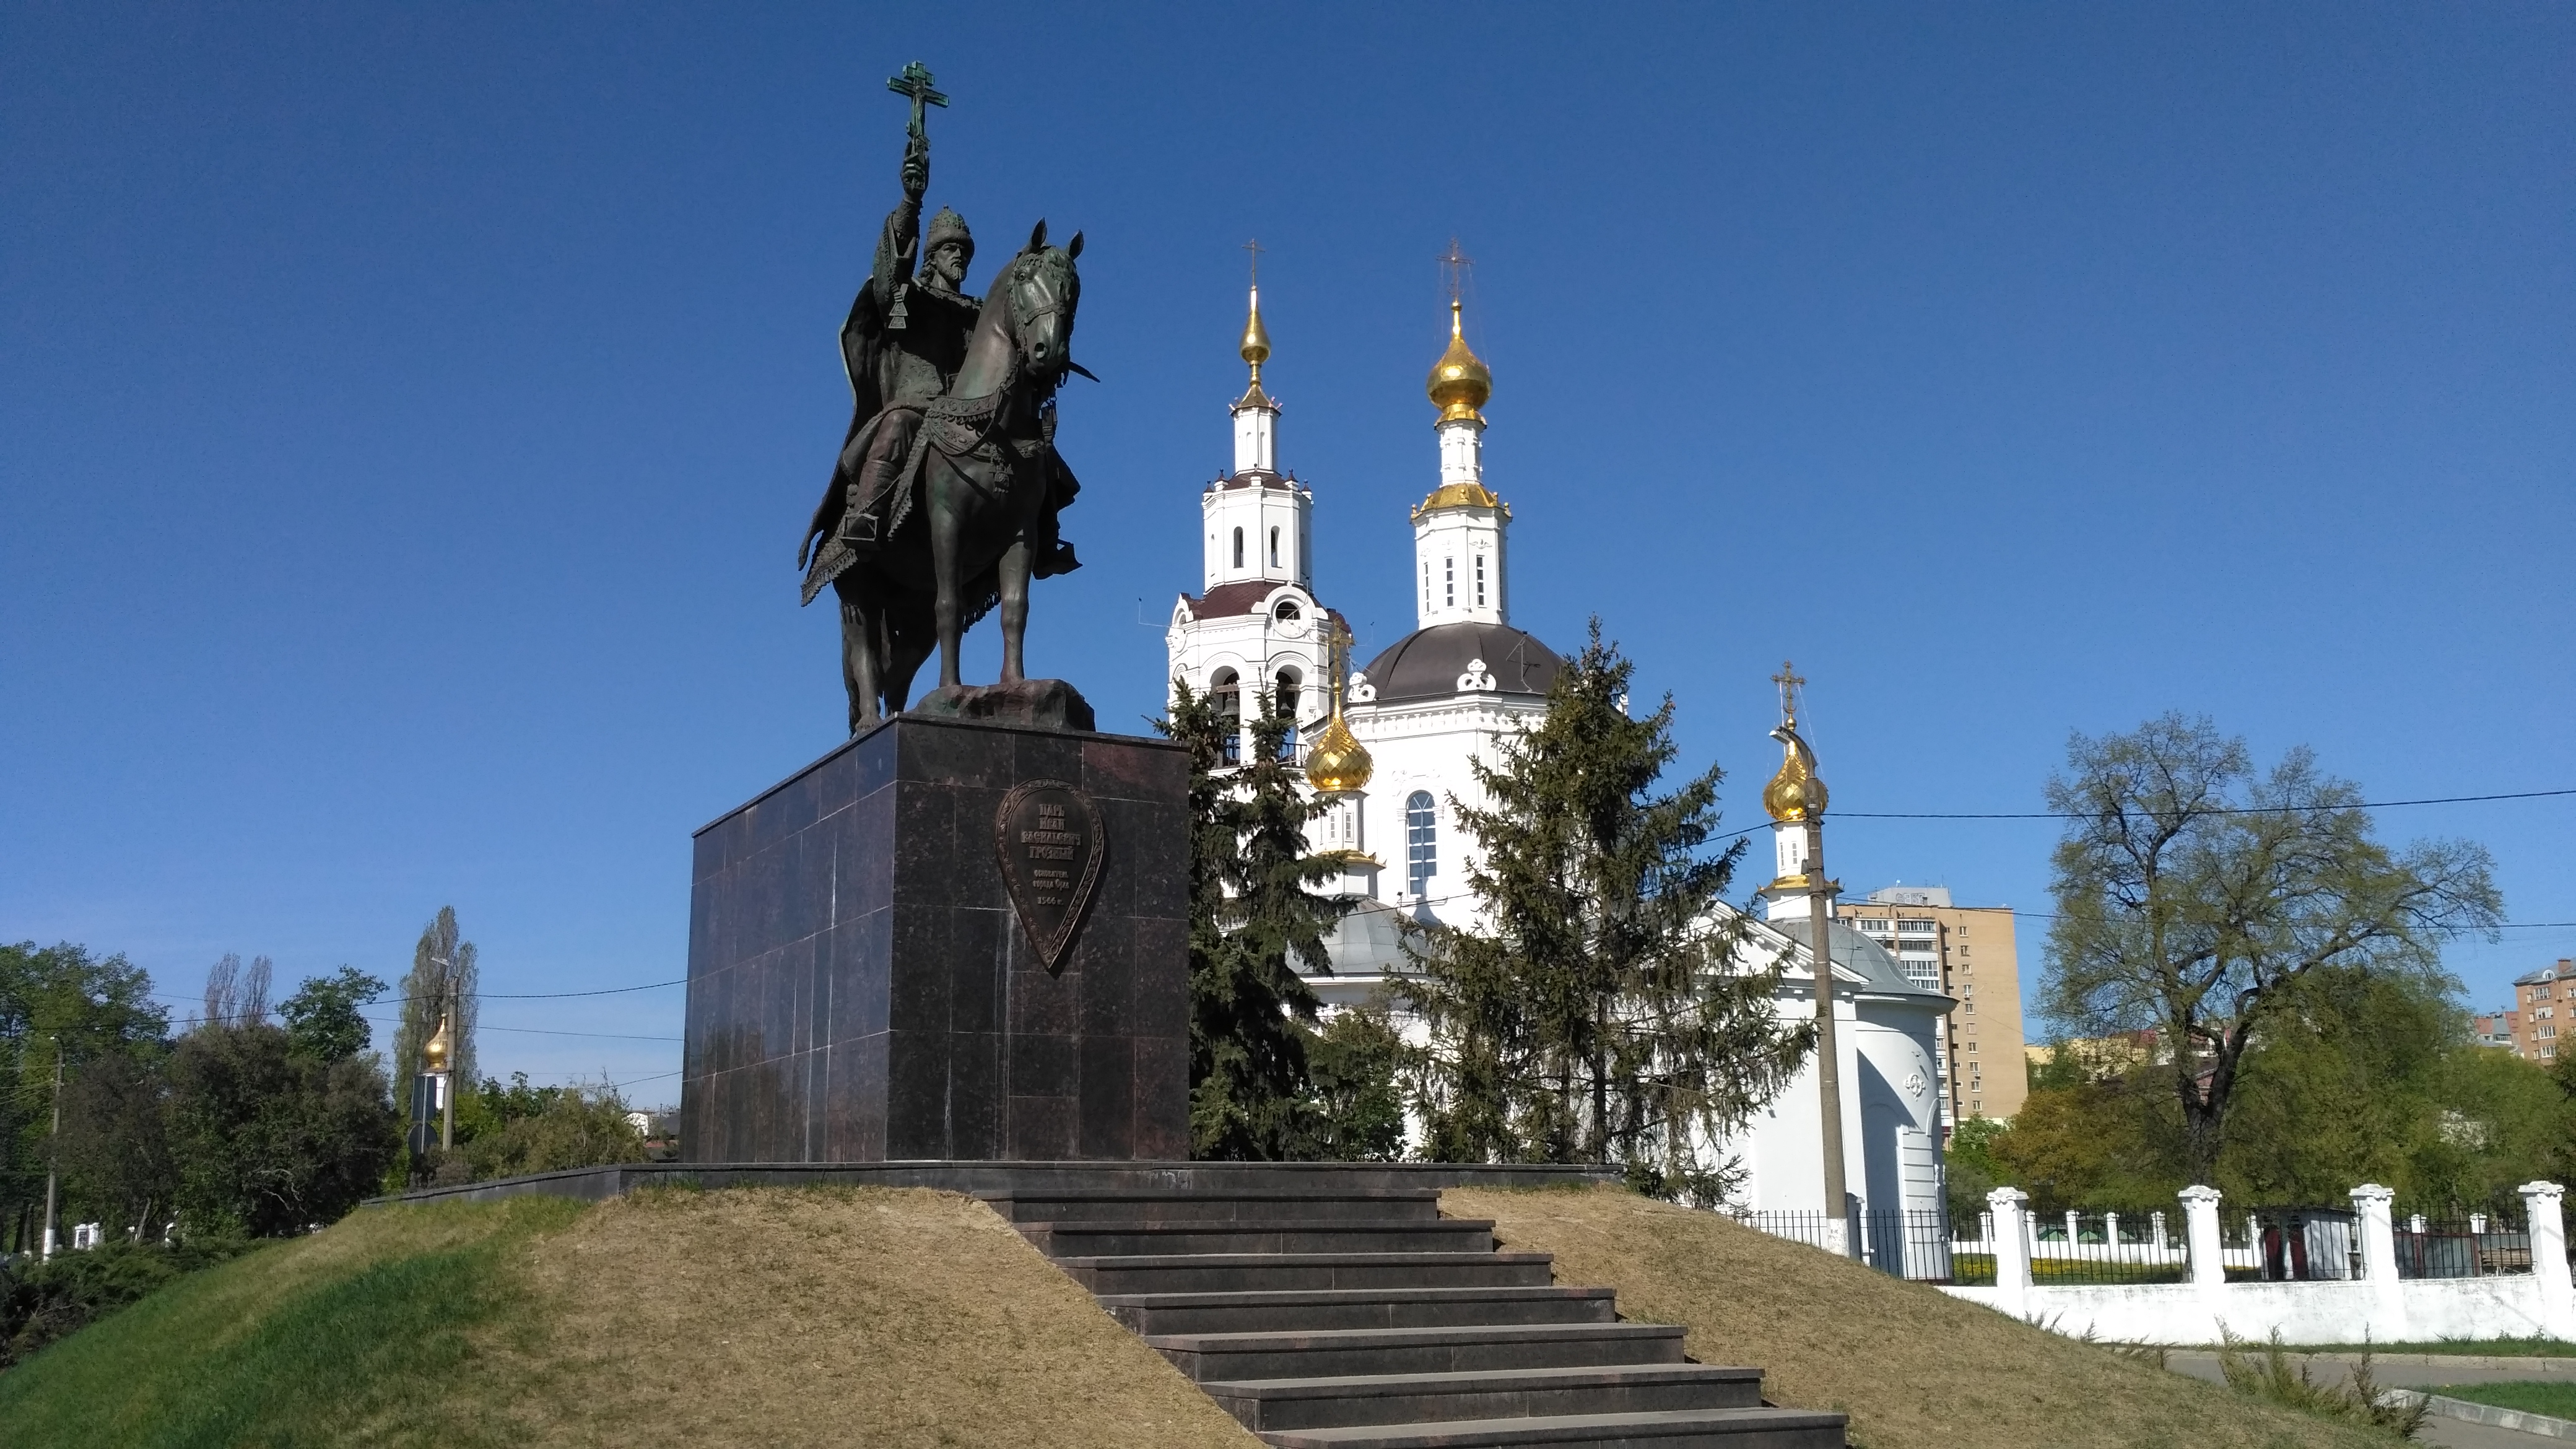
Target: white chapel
x,y
1388,747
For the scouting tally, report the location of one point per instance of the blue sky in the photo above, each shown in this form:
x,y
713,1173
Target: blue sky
x,y
407,414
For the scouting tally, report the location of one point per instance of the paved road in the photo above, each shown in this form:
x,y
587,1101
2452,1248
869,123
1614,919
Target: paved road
x,y
2423,1371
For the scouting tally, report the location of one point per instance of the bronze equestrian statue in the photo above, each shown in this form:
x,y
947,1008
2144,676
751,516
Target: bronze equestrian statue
x,y
944,500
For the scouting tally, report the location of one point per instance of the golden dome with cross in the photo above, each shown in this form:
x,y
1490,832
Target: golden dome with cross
x,y
1460,382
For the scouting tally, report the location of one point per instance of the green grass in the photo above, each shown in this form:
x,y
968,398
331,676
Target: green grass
x,y
2491,1347
340,1338
2558,1400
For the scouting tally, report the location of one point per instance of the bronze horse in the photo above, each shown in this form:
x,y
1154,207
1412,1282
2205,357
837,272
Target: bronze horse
x,y
975,515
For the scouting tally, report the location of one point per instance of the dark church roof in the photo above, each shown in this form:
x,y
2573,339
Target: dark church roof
x,y
1426,663
1226,600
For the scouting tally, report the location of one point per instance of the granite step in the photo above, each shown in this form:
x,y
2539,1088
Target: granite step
x,y
1260,1235
1155,1205
1234,1356
1312,1309
1382,1399
1108,1274
1673,1429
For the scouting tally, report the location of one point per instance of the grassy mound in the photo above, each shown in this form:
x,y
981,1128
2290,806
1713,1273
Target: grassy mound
x,y
1915,1368
350,1336
669,1318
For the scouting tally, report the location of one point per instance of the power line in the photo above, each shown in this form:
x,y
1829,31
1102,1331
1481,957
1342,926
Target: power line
x,y
543,1031
489,995
2208,810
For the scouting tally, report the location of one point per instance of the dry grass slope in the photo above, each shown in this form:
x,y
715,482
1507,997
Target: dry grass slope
x,y
826,1316
1914,1368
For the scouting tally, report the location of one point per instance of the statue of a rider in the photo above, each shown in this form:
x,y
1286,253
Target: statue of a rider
x,y
902,345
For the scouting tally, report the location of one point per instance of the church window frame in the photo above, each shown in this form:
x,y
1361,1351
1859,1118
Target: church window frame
x,y
1480,581
1225,690
1287,689
1274,547
1238,548
1449,583
1421,842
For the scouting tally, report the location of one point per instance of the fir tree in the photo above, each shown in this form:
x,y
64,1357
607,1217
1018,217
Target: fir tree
x,y
1603,1014
1253,918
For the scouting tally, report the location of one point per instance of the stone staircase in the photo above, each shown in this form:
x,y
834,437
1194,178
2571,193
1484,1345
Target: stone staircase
x,y
1357,1317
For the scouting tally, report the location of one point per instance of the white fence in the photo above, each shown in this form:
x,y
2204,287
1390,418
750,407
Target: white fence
x,y
2366,1301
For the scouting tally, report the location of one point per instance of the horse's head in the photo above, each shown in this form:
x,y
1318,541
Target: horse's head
x,y
1041,289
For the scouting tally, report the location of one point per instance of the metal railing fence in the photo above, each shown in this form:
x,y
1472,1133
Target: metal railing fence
x,y
1915,1245
2474,1245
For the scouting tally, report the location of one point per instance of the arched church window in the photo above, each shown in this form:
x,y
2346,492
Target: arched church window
x,y
1238,548
1227,693
1421,842
1274,548
1286,611
1285,701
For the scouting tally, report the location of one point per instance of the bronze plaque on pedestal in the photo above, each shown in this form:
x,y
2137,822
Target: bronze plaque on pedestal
x,y
1050,841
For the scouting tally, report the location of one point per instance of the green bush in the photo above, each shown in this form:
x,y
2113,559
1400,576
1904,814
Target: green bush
x,y
41,1302
522,1129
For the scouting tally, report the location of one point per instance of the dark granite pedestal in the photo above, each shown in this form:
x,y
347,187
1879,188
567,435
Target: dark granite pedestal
x,y
861,988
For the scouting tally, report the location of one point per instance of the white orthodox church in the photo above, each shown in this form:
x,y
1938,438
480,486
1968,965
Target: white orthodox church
x,y
1389,748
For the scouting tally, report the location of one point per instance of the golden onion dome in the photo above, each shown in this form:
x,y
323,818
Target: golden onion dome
x,y
1460,382
1795,789
442,1046
1256,339
1338,764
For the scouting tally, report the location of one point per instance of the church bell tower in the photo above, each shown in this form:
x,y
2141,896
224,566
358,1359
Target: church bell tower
x,y
1458,532
1255,628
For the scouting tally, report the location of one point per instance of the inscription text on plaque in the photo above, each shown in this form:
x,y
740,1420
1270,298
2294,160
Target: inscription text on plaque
x,y
1050,841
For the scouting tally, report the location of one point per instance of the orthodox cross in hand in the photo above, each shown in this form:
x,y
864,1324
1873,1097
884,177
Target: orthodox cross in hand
x,y
915,82
1788,681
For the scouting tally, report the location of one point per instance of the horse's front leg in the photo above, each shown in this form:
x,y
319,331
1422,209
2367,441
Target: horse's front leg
x,y
859,662
947,526
1015,607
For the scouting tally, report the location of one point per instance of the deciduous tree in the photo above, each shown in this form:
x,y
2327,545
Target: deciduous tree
x,y
444,968
2194,895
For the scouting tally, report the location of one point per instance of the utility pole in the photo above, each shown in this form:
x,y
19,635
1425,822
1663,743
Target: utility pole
x,y
1829,1075
1798,793
447,1123
53,1148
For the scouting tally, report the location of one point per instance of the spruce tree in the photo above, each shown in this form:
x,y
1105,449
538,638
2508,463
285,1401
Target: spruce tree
x,y
1603,1012
1253,918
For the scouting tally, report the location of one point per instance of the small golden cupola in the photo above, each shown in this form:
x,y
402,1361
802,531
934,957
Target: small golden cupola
x,y
1796,790
440,1049
1338,764
1460,382
1793,790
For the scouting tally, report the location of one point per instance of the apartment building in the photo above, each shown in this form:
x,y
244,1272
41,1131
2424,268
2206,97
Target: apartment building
x,y
2497,1028
1967,953
2545,1000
